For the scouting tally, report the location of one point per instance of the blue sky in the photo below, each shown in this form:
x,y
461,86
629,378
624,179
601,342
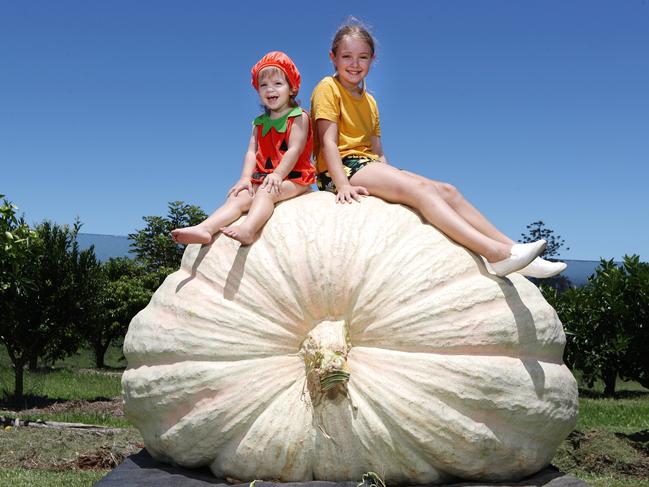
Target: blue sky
x,y
534,110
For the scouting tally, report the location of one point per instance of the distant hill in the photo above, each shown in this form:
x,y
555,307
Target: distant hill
x,y
107,246
578,271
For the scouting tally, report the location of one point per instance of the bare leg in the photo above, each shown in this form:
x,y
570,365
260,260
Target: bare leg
x,y
466,210
539,267
202,233
260,212
396,186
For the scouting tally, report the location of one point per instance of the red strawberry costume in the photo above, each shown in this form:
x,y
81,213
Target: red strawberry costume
x,y
272,143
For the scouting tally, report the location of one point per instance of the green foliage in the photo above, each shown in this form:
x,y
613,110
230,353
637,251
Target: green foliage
x,y
153,244
636,307
45,292
125,287
606,323
53,293
536,231
15,238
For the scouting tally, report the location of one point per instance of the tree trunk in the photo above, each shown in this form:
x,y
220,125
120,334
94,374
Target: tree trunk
x,y
19,375
33,363
609,376
99,349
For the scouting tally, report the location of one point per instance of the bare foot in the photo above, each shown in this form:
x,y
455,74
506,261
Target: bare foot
x,y
191,235
240,234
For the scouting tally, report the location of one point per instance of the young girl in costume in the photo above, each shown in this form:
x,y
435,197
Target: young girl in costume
x,y
351,162
277,165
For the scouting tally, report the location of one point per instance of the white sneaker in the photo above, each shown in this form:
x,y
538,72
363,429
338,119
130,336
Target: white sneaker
x,y
542,269
520,256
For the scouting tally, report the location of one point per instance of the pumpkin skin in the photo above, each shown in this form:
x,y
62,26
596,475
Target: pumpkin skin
x,y
453,373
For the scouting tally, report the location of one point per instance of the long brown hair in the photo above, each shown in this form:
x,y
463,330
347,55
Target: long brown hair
x,y
353,28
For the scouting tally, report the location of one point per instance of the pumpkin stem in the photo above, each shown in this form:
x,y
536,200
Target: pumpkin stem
x,y
325,351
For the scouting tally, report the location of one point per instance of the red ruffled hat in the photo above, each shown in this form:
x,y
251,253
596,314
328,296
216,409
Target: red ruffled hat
x,y
281,61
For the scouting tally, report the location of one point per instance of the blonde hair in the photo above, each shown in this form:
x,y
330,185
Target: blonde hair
x,y
274,70
352,27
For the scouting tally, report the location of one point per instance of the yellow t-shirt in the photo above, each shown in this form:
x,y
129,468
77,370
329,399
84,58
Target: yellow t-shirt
x,y
357,119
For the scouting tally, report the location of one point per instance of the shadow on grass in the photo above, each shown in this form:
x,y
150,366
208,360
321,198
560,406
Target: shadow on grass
x,y
590,394
48,369
639,440
32,401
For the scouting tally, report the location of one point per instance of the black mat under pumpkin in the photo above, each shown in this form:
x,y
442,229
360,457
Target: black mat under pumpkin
x,y
140,470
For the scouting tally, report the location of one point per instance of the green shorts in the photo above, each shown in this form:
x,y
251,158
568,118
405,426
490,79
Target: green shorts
x,y
351,165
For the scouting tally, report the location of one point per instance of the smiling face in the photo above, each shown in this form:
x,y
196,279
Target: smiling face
x,y
352,59
274,91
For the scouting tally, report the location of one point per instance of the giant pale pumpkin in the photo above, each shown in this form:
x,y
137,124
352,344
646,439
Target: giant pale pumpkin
x,y
349,338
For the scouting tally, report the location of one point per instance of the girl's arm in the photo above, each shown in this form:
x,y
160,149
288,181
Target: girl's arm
x,y
377,148
328,133
249,163
296,142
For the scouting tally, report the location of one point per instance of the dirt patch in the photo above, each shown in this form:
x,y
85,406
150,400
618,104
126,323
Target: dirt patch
x,y
604,453
27,447
103,458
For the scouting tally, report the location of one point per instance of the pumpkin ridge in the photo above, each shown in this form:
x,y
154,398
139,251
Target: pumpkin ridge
x,y
504,455
245,402
477,325
403,438
552,374
281,432
251,293
476,351
394,256
206,321
422,291
410,459
268,280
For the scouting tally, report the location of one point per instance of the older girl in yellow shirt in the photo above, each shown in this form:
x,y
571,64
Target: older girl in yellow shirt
x,y
350,162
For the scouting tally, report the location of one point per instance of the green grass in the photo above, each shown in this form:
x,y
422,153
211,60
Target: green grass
x,y
84,358
72,378
602,451
612,481
99,419
66,380
18,477
619,415
65,384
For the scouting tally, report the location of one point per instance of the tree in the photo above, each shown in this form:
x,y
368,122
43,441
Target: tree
x,y
16,240
536,231
636,297
153,244
126,288
606,323
41,309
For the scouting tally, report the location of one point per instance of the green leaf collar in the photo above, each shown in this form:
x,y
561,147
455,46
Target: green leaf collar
x,y
280,124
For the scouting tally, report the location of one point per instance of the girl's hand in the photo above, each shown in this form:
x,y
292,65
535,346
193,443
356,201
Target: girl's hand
x,y
349,193
272,183
242,185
